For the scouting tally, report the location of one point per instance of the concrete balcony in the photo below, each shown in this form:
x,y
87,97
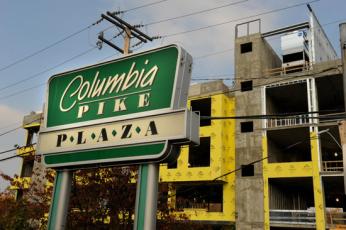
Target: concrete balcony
x,y
26,151
21,183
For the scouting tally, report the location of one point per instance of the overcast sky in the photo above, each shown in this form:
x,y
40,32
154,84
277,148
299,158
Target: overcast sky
x,y
29,26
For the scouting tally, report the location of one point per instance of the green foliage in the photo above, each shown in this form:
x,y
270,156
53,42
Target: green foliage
x,y
100,199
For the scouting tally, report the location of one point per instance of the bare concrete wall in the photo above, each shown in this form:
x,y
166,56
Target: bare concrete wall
x,y
249,190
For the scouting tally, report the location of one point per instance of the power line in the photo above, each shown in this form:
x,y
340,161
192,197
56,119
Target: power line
x,y
214,77
340,115
195,13
23,91
273,82
143,6
195,79
250,163
10,131
214,53
238,19
268,83
147,24
68,37
46,70
222,92
10,150
273,38
9,125
33,87
14,156
47,47
185,15
198,57
267,157
87,51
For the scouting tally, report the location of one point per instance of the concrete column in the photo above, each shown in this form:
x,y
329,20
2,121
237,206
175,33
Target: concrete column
x,y
342,28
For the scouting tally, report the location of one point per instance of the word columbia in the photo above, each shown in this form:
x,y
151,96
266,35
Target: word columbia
x,y
111,85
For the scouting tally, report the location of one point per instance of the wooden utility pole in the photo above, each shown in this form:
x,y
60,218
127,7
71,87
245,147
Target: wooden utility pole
x,y
129,30
148,173
127,41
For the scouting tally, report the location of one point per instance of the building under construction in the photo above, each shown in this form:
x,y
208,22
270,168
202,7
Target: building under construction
x,y
299,182
288,149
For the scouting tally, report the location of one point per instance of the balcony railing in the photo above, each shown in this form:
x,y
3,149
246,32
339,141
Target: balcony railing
x,y
332,166
300,66
336,219
291,121
292,217
210,207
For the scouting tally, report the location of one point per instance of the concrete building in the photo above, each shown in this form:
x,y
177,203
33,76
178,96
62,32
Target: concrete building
x,y
31,169
297,180
284,162
196,185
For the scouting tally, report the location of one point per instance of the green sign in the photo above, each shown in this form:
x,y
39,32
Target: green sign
x,y
123,110
135,84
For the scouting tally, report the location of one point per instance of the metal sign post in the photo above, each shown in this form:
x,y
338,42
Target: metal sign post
x,y
60,200
146,197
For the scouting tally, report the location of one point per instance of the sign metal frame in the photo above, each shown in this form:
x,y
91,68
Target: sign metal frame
x,y
178,100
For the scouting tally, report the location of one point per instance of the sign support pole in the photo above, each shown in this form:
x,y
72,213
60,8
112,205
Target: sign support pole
x,y
146,197
147,184
175,79
60,200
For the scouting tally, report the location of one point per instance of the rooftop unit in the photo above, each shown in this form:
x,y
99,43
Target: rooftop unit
x,y
295,49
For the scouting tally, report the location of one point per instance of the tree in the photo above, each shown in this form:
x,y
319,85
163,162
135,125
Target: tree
x,y
28,212
102,198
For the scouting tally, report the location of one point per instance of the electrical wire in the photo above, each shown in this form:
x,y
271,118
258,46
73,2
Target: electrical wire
x,y
14,156
238,19
195,13
143,6
68,37
44,83
250,163
10,150
6,151
340,115
287,79
211,9
47,70
12,130
212,94
199,57
9,125
272,38
277,116
195,79
213,54
48,47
